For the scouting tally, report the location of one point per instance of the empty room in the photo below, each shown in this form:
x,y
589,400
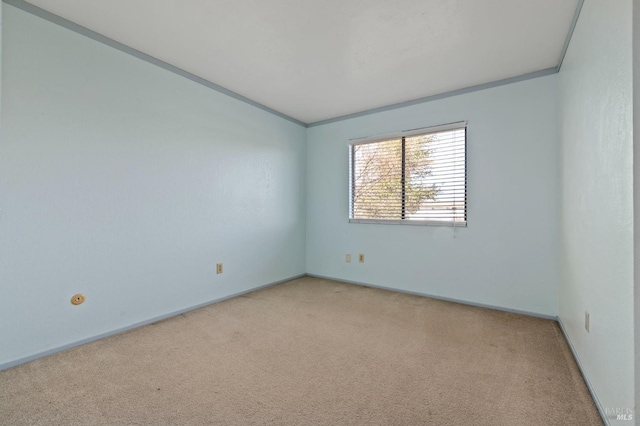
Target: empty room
x,y
318,212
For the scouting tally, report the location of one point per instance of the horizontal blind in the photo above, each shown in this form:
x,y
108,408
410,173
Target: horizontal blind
x,y
417,178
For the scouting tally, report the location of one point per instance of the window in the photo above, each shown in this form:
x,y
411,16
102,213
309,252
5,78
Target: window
x,y
414,177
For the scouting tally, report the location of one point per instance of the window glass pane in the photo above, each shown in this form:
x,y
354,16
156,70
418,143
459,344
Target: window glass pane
x,y
443,172
377,173
414,178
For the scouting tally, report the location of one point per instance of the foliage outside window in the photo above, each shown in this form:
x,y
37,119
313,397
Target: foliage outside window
x,y
416,177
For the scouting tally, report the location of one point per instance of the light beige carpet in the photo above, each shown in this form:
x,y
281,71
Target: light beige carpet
x,y
311,352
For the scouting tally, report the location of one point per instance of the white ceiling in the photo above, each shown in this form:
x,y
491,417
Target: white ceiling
x,y
318,59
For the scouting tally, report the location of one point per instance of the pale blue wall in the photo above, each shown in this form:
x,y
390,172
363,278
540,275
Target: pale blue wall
x,y
636,195
128,183
596,209
506,257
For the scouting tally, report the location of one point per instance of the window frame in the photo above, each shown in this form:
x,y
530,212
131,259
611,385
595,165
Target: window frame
x,y
404,134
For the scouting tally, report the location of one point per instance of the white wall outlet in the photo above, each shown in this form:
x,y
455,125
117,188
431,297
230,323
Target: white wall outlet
x,y
361,258
586,321
219,268
347,258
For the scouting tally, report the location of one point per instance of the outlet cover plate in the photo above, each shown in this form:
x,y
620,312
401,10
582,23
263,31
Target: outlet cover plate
x,y
586,321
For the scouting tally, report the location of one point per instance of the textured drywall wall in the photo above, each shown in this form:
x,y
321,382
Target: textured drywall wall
x,y
596,208
636,194
128,183
506,257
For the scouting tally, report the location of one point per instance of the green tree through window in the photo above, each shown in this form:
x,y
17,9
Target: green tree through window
x,y
415,177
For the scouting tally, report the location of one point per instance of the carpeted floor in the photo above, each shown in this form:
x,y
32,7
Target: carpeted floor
x,y
311,352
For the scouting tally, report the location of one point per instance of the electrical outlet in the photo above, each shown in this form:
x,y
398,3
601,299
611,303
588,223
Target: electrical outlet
x,y
347,258
361,258
586,321
219,268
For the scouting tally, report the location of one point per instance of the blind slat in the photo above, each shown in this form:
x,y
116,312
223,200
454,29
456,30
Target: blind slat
x,y
434,186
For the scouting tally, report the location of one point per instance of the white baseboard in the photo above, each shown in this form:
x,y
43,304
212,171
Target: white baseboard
x,y
201,305
465,302
584,376
37,355
446,299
